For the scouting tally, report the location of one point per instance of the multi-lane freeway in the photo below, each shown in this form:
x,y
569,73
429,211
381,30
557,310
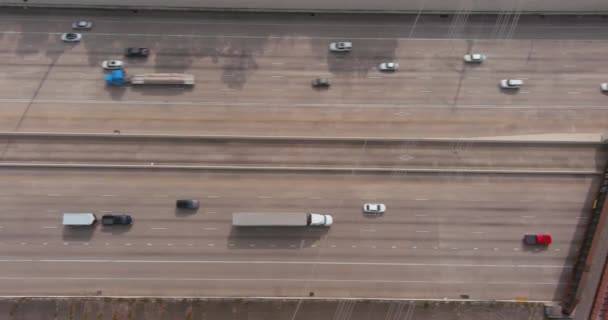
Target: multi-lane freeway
x,y
453,232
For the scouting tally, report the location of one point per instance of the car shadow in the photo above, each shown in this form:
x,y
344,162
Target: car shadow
x,y
116,229
183,212
510,92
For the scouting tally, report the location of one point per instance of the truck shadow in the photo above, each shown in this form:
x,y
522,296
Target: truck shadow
x,y
275,237
117,229
79,234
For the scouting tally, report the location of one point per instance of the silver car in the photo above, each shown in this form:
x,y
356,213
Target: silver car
x,y
474,58
389,66
112,64
374,208
82,25
71,37
341,46
604,87
511,83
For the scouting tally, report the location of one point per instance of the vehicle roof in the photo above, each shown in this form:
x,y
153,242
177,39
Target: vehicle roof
x,y
78,218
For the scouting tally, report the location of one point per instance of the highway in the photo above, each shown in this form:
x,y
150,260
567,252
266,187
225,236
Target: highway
x,y
445,233
256,80
442,235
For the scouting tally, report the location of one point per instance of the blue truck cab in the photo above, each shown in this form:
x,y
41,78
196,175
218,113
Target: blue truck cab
x,y
116,78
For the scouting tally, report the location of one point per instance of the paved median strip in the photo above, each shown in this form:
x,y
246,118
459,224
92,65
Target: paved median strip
x,y
295,168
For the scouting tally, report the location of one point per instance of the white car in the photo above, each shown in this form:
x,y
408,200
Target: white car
x,y
82,25
71,37
374,208
341,46
474,58
604,87
112,64
511,83
389,66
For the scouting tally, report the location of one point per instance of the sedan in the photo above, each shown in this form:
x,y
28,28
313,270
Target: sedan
x,y
604,87
341,46
374,208
137,52
71,37
474,58
320,83
187,204
82,25
389,66
116,219
112,64
511,83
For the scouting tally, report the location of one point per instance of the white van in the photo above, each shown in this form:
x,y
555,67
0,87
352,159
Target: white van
x,y
79,219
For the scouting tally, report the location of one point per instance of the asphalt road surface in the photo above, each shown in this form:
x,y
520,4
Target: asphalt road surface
x,y
444,235
253,76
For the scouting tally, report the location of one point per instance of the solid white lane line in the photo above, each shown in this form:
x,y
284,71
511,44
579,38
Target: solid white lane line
x,y
108,195
574,92
53,195
209,228
158,228
478,232
368,230
527,283
49,227
421,199
264,197
213,196
421,231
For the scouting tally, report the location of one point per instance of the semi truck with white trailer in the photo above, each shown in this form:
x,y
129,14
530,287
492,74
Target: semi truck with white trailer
x,y
251,219
119,78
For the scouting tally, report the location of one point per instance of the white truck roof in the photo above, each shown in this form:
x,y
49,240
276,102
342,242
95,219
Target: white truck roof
x,y
78,219
270,219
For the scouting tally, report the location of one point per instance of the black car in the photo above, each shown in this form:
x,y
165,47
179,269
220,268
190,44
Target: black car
x,y
118,219
320,83
187,204
137,52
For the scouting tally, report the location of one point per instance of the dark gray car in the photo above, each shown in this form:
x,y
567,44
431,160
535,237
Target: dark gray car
x,y
187,204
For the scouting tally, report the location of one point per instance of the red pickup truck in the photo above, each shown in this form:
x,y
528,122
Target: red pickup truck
x,y
537,239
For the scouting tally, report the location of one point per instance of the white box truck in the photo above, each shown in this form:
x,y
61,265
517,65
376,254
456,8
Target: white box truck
x,y
79,219
281,219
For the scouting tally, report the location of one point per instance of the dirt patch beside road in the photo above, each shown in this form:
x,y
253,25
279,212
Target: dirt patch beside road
x,y
259,309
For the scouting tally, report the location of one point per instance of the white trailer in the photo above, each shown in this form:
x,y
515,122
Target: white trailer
x,y
252,219
163,78
79,219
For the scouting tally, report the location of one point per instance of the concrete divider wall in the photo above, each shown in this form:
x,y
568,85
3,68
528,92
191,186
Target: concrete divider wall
x,y
531,6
